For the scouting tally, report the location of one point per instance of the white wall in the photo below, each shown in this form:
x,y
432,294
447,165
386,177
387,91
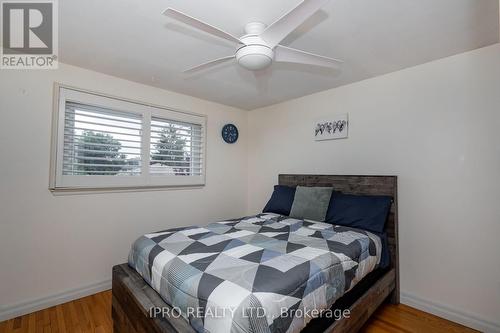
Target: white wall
x,y
52,244
436,126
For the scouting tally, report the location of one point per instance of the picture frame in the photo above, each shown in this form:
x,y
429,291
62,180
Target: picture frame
x,y
336,127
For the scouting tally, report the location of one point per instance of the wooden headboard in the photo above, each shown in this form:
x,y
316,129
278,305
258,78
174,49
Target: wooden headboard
x,y
368,185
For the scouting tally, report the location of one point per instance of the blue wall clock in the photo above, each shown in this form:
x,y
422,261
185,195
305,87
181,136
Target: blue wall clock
x,y
230,133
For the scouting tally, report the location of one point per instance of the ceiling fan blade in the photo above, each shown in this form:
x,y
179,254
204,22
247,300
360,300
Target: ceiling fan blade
x,y
209,64
195,23
287,54
278,31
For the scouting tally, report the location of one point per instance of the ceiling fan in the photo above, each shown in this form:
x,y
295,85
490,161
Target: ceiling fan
x,y
260,46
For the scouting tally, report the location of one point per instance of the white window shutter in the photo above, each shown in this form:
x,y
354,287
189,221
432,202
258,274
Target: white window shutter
x,y
104,143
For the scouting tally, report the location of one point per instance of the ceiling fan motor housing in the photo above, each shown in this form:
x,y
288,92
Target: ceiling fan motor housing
x,y
255,54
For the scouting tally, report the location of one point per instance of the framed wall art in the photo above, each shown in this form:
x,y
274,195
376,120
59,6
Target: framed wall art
x,y
336,127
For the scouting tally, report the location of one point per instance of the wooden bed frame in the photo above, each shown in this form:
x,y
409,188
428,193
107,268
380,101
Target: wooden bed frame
x,y
133,298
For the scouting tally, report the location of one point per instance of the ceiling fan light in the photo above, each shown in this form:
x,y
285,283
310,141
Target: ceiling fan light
x,y
255,62
255,57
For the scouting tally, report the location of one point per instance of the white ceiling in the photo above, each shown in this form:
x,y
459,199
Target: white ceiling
x,y
132,40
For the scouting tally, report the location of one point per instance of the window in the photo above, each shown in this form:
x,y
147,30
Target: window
x,y
176,148
100,141
103,142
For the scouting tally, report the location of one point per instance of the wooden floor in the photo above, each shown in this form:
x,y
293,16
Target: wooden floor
x,y
93,314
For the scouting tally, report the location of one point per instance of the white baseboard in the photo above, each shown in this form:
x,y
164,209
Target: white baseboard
x,y
446,312
12,311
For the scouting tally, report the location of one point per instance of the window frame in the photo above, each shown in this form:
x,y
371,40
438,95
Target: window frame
x,y
69,183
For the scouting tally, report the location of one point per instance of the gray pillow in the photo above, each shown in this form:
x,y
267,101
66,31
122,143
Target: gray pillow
x,y
311,203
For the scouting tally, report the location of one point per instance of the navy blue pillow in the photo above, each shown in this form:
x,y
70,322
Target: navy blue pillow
x,y
385,258
281,200
367,212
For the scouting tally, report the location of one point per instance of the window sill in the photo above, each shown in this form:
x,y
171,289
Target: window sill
x,y
83,191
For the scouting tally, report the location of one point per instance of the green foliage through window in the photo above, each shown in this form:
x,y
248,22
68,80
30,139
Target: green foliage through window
x,y
170,151
99,154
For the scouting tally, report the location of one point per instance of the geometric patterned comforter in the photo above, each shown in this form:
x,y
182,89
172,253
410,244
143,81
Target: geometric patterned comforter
x,y
253,274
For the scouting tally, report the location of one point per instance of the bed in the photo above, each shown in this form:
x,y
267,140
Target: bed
x,y
216,277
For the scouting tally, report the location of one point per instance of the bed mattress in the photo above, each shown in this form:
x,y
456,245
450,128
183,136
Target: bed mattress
x,y
262,273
